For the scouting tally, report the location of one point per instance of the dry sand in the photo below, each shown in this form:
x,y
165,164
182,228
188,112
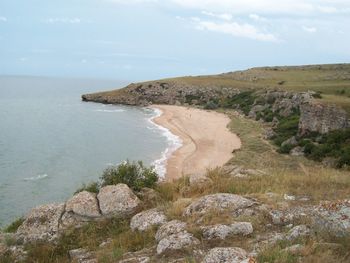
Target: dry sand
x,y
207,142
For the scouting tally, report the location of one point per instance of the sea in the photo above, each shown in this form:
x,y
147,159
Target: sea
x,y
51,142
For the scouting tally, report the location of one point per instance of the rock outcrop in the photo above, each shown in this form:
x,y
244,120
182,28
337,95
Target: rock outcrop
x,y
321,118
83,204
147,219
174,242
225,231
226,255
170,228
218,202
117,200
41,224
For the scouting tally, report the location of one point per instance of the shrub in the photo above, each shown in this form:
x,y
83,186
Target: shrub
x,y
92,187
286,128
243,100
210,105
285,148
134,174
12,228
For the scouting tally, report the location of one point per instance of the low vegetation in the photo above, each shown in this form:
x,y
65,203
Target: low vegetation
x,y
134,174
14,225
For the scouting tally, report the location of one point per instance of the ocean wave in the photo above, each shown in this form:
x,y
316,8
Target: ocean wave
x,y
117,110
174,142
35,178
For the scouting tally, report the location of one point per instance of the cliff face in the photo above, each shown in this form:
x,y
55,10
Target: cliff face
x,y
316,117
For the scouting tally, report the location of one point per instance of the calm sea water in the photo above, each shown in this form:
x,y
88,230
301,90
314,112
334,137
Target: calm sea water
x,y
51,142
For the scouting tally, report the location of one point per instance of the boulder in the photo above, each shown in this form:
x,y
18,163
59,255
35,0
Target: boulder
x,y
226,255
147,219
321,118
117,200
179,241
225,231
170,228
83,204
219,202
41,224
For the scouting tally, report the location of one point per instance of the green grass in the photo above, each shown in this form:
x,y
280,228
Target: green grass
x,y
12,228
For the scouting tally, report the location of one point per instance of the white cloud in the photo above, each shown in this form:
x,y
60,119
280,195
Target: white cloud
x,y
63,20
236,29
291,7
3,19
309,29
133,1
224,16
257,18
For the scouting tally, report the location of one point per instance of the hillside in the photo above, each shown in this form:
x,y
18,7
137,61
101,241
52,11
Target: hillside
x,y
332,81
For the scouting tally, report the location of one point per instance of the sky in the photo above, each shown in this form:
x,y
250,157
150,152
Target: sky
x,y
152,39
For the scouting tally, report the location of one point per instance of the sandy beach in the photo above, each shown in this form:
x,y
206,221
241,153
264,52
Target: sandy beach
x,y
207,142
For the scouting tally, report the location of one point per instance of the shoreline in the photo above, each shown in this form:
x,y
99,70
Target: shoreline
x,y
206,141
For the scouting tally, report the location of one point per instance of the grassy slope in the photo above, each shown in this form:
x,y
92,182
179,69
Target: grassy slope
x,y
333,81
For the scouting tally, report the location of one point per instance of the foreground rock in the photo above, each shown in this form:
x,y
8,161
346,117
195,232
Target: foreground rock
x,y
117,200
170,228
225,231
218,202
84,204
226,255
41,224
179,241
147,219
333,217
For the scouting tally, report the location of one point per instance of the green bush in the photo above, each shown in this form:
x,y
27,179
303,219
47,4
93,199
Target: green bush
x,y
210,105
335,144
134,174
92,187
286,128
285,148
12,228
243,101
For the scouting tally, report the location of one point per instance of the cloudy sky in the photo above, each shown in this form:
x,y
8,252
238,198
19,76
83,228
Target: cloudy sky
x,y
150,39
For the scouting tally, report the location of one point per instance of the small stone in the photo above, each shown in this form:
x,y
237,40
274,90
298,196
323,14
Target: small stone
x,y
298,231
82,255
295,249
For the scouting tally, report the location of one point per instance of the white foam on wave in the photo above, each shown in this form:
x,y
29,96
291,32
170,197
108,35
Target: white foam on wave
x,y
117,110
174,142
35,178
